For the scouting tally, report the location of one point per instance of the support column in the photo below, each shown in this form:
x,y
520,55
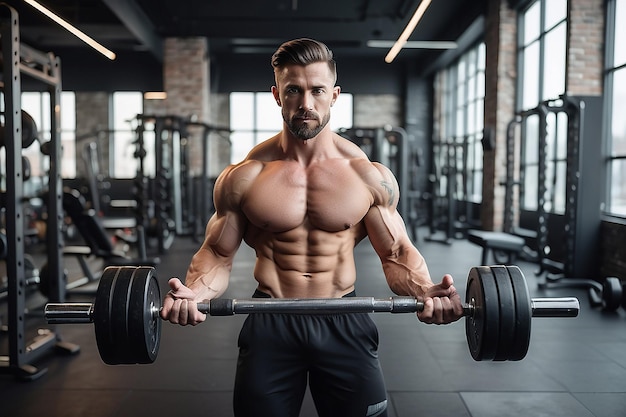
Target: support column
x,y
500,72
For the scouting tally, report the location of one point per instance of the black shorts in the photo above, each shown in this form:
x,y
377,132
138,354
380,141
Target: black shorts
x,y
336,354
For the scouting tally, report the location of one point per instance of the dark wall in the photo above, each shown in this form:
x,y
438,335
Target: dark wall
x,y
90,71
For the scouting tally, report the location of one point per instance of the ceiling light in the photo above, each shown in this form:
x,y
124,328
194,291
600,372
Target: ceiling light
x,y
76,32
414,44
155,95
410,27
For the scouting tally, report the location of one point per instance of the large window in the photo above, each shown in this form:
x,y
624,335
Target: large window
x,y
542,61
255,117
615,83
460,124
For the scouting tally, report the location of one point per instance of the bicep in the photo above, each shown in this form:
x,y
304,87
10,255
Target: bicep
x,y
224,233
386,231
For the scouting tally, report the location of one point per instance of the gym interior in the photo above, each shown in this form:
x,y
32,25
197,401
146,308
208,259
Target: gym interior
x,y
499,118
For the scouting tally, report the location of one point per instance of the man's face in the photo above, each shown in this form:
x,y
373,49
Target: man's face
x,y
305,94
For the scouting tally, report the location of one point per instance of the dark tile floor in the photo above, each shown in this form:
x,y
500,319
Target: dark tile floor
x,y
575,367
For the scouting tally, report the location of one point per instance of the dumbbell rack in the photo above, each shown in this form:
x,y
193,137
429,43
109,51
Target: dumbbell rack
x,y
43,68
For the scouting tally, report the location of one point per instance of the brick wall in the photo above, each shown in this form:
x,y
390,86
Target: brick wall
x,y
377,110
92,115
500,72
586,44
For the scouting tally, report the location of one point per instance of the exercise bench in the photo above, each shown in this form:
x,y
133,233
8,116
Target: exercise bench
x,y
497,241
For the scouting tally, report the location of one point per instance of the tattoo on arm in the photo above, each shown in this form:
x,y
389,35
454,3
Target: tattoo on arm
x,y
390,191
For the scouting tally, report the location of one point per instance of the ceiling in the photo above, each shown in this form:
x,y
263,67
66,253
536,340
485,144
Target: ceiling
x,y
235,27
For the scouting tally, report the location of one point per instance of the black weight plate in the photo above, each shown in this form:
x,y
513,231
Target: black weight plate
x,y
483,326
144,323
29,130
507,312
611,293
102,316
523,314
120,306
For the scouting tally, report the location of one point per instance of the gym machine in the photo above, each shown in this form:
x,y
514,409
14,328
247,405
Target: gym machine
x,y
201,203
44,68
564,244
164,191
391,147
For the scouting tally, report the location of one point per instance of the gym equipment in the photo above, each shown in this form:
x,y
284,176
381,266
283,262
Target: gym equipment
x,y
128,301
45,70
612,293
391,147
29,131
496,242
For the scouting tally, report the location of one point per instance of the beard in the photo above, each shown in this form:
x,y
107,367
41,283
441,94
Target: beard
x,y
308,130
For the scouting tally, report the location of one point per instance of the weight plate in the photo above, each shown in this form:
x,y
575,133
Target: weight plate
x,y
482,327
611,293
120,317
29,131
102,316
523,314
144,323
507,312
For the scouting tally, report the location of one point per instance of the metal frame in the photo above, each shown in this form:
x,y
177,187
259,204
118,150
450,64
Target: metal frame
x,y
45,68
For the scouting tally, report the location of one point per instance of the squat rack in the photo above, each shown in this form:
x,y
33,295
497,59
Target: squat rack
x,y
45,68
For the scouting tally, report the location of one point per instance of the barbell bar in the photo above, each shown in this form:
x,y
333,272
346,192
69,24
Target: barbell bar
x,y
127,323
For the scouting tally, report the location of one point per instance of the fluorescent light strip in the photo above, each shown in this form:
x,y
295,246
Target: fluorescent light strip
x,y
155,95
67,26
410,27
414,44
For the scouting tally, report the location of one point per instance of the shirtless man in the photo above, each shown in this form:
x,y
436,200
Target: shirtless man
x,y
303,199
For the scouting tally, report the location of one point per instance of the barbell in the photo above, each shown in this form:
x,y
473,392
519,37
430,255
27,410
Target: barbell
x,y
127,324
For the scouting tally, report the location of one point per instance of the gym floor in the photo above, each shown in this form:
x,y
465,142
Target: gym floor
x,y
575,367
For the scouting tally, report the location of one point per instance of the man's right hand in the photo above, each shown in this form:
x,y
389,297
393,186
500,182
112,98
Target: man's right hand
x,y
180,305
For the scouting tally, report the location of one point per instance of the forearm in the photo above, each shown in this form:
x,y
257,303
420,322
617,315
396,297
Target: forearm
x,y
407,273
208,274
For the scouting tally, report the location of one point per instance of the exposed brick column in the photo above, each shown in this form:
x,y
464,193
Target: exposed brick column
x,y
187,84
186,77
585,56
92,115
500,72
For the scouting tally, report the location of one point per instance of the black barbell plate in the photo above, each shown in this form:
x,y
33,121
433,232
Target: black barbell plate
x,y
482,328
507,312
120,304
102,316
523,314
611,294
144,323
29,131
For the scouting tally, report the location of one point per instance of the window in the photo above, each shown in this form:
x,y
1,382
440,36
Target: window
x,y
460,121
125,108
255,117
542,52
542,62
615,105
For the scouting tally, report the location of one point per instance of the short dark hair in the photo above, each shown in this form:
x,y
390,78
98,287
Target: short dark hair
x,y
303,51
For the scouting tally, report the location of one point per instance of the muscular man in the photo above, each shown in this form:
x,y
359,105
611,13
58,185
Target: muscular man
x,y
303,199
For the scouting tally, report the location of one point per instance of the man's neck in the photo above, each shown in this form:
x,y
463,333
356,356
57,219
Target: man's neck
x,y
306,151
